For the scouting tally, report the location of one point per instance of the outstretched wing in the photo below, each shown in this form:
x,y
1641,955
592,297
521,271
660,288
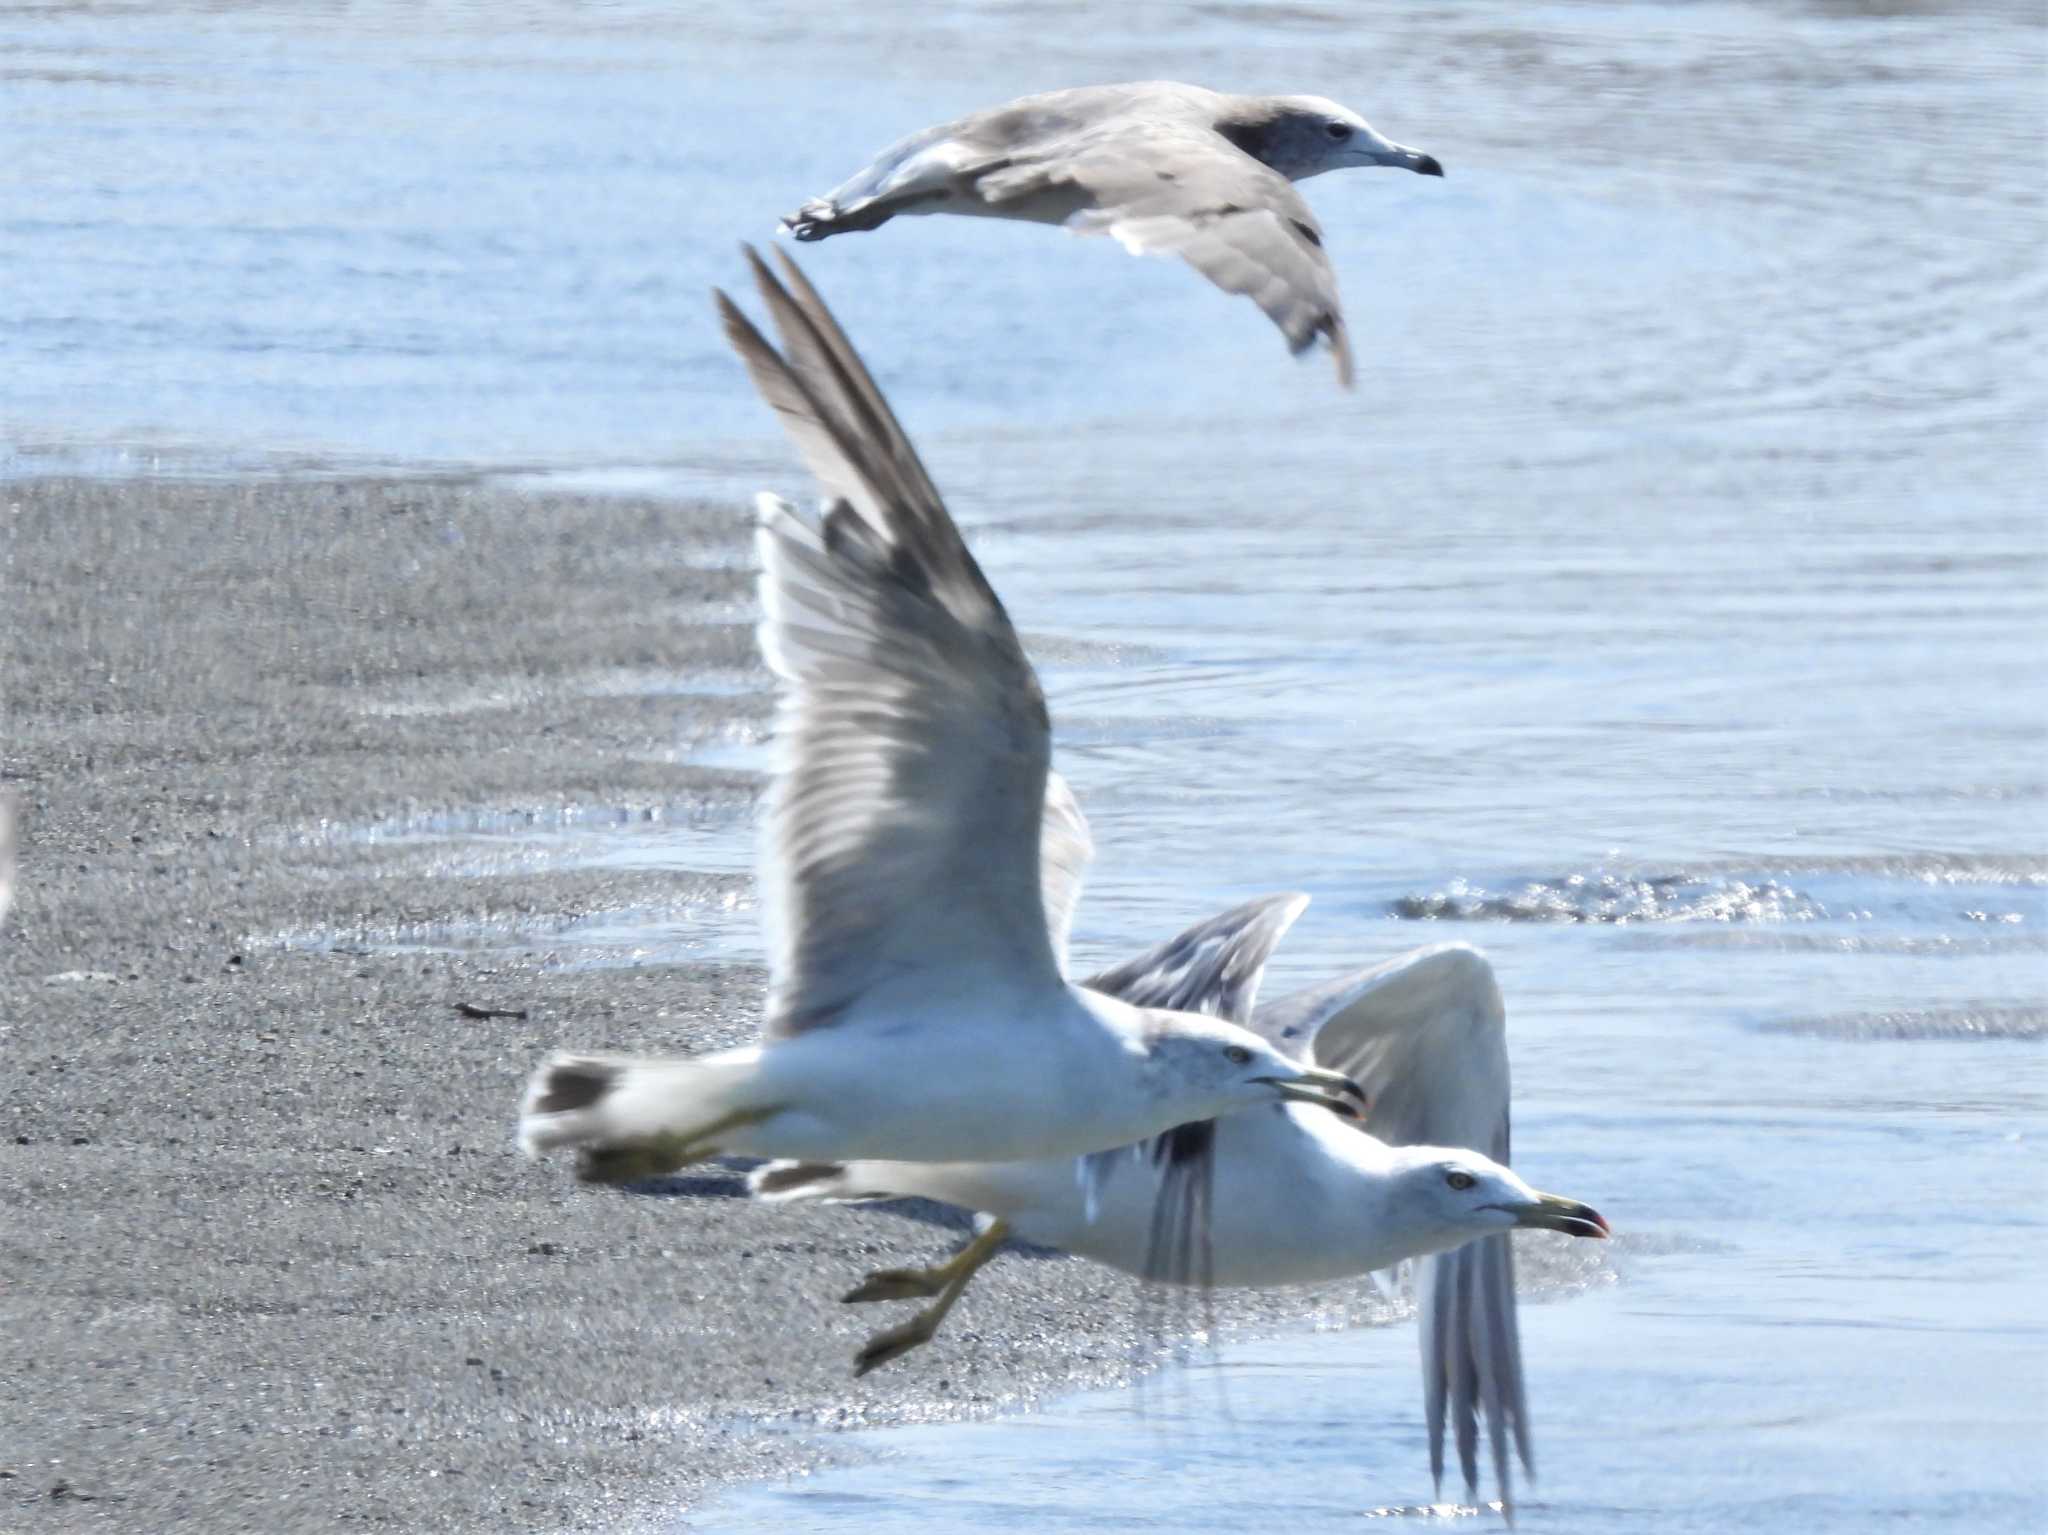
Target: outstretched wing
x,y
1213,967
902,835
1426,1036
1065,852
1177,187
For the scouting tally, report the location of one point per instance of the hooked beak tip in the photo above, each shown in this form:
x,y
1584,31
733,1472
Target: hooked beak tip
x,y
1578,1220
1331,1090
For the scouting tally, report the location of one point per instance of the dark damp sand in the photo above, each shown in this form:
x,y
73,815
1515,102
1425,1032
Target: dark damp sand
x,y
269,1261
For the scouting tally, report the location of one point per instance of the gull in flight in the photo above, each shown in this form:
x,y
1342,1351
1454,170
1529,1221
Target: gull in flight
x,y
1288,1196
1163,168
917,1003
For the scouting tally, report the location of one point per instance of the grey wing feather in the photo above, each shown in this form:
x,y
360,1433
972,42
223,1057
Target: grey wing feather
x,y
1179,188
1426,1036
1213,967
1472,1358
903,824
1064,855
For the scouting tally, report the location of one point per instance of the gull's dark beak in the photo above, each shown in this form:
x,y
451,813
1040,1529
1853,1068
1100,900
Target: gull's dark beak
x,y
1401,158
1552,1212
1331,1090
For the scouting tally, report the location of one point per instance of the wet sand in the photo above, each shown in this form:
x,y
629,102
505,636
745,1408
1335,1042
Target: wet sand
x,y
271,1262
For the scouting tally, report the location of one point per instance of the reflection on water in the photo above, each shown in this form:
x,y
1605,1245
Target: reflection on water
x,y
1678,558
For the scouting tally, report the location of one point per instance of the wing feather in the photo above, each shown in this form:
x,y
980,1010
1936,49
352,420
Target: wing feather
x,y
903,824
1238,222
1426,1036
1066,849
1213,967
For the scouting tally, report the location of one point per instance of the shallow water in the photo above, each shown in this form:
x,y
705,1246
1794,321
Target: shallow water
x,y
1663,611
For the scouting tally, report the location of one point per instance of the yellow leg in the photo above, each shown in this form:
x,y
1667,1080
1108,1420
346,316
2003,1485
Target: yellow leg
x,y
952,1278
902,1284
656,1155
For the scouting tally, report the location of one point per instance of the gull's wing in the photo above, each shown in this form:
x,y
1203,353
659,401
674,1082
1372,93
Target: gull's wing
x,y
1064,854
902,834
7,840
1213,967
1177,187
1426,1036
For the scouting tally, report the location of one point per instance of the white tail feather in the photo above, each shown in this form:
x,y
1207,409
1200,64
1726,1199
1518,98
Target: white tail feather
x,y
596,1101
781,1183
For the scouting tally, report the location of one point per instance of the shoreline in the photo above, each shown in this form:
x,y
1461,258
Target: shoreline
x,y
273,1262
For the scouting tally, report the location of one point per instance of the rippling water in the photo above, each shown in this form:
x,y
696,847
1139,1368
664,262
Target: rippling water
x,y
1663,611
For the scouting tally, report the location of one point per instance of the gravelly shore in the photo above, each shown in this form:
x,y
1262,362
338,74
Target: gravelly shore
x,y
270,1262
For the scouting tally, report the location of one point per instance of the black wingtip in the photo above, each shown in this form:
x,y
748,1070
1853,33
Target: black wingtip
x,y
574,1084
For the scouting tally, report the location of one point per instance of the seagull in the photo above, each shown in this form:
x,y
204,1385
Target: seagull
x,y
1164,168
1286,1196
917,1008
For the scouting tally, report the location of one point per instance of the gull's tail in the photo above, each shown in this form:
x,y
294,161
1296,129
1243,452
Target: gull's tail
x,y
793,1182
639,1117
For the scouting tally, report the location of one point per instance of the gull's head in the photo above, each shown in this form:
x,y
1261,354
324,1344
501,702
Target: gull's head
x,y
1459,1194
1232,1068
1303,136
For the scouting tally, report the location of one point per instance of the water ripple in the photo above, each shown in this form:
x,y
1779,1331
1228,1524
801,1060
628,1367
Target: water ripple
x,y
1616,898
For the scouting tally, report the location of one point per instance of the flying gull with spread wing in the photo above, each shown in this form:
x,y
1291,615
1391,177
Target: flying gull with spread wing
x,y
917,1003
1164,168
1291,1196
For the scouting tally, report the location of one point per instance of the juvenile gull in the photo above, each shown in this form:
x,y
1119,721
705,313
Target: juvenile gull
x,y
1165,168
916,1008
1288,1196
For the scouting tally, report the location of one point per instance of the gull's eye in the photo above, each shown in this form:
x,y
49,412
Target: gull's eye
x,y
1338,131
1237,1055
1460,1180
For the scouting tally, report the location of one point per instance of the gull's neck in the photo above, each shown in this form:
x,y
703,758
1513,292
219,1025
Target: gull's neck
x,y
1381,1229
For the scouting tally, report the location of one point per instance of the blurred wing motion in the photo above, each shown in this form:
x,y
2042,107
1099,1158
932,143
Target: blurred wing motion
x,y
912,736
1426,1036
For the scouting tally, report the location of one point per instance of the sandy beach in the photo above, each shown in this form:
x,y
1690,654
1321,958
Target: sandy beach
x,y
273,1259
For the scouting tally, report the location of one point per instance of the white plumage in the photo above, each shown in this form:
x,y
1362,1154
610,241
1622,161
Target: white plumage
x,y
1288,1195
917,1007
